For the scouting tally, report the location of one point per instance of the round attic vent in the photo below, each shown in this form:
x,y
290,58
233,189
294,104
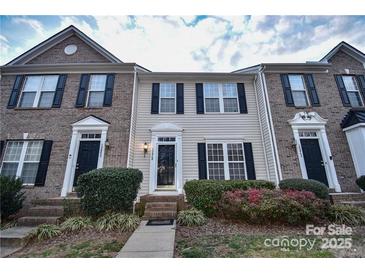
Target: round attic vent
x,y
70,49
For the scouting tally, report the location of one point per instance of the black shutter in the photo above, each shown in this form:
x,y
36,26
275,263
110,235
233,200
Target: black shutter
x,y
361,81
2,146
17,87
250,165
199,98
155,98
342,90
81,96
242,97
312,90
43,163
287,90
57,100
202,161
108,94
179,98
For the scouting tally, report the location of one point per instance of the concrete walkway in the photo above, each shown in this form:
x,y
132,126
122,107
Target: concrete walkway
x,y
150,242
13,239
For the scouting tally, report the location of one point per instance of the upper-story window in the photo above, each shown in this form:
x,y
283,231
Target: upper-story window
x,y
220,97
299,92
352,90
96,91
167,97
38,91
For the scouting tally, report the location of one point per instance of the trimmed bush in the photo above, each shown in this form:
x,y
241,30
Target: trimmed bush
x,y
346,214
191,217
109,189
76,224
205,194
11,196
46,231
318,188
117,221
262,206
361,182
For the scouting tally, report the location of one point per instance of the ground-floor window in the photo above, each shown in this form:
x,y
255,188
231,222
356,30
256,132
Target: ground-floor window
x,y
225,161
21,160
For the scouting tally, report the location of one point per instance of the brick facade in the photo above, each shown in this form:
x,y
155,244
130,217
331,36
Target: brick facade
x,y
331,108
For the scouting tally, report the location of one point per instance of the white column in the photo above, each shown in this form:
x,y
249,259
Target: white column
x,y
102,149
67,181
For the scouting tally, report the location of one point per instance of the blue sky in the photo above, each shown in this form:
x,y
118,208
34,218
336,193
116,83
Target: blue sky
x,y
193,43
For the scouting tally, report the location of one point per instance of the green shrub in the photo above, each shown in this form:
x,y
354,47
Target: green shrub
x,y
76,224
46,231
205,194
191,217
361,182
346,214
109,189
11,196
117,221
318,188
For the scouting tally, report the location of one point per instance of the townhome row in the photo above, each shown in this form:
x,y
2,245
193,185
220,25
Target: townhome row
x,y
69,106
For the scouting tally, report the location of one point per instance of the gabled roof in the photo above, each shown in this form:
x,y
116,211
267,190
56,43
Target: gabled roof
x,y
348,49
353,117
57,38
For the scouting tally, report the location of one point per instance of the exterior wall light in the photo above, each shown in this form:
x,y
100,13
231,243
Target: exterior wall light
x,y
107,145
145,149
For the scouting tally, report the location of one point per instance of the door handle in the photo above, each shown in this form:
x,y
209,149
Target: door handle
x,y
77,166
322,163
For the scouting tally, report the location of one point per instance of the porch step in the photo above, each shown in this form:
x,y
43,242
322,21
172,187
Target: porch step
x,y
161,206
37,220
160,210
159,215
72,195
12,239
337,198
59,201
50,211
354,203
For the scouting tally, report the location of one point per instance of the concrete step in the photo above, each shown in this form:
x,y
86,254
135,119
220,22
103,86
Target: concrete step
x,y
161,205
14,237
354,203
56,201
37,220
49,211
159,215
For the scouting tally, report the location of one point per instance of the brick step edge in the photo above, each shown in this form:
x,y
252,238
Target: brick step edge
x,y
35,221
12,241
45,211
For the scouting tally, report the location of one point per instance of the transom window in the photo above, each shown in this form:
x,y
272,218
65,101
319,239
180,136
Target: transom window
x,y
21,160
90,136
96,92
308,134
166,139
221,97
38,91
352,91
226,161
299,92
167,97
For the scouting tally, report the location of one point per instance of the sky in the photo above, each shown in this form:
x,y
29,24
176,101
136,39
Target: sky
x,y
193,43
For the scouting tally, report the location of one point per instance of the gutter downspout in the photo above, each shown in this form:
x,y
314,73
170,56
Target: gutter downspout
x,y
271,126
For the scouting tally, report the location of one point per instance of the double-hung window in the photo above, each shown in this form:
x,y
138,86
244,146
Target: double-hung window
x,y
38,91
221,97
225,161
21,160
298,89
96,90
352,90
167,97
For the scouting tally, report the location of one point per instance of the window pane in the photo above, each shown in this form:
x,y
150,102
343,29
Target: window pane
x,y
34,151
235,152
32,83
211,105
229,90
97,82
230,105
350,82
296,82
211,90
355,99
50,82
13,150
216,171
299,98
167,105
236,171
167,90
27,99
29,173
46,99
215,152
9,169
96,98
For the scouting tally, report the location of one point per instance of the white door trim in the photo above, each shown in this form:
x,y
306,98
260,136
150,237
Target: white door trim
x,y
90,124
313,122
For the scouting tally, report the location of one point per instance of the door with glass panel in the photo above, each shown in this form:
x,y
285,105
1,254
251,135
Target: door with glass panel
x,y
166,163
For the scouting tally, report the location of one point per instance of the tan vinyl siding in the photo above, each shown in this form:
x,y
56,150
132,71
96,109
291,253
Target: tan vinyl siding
x,y
196,127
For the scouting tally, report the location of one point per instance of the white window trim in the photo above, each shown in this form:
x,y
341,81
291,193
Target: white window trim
x,y
225,158
160,97
221,97
89,90
38,92
297,90
355,90
21,158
